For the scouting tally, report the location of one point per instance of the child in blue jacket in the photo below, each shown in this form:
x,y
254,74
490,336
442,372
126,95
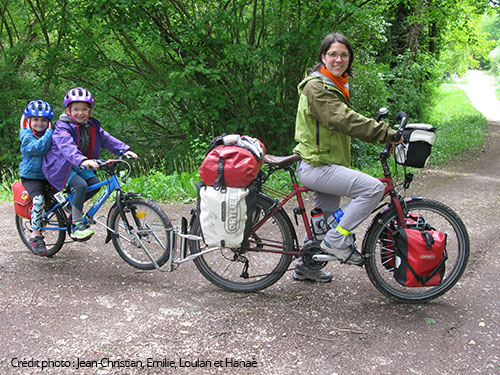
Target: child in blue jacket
x,y
36,141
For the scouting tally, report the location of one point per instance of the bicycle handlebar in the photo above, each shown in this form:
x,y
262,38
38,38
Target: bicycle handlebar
x,y
401,116
109,162
403,119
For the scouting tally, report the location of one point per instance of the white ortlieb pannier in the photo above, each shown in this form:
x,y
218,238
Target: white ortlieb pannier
x,y
226,215
416,147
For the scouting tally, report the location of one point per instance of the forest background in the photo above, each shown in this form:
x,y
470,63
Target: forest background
x,y
169,75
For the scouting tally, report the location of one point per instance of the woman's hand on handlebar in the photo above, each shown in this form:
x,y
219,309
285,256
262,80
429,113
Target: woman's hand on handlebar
x,y
396,142
398,137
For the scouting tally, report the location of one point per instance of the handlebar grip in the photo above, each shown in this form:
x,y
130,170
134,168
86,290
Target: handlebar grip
x,y
401,116
99,162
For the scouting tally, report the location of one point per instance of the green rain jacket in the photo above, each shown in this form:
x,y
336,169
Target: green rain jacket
x,y
325,124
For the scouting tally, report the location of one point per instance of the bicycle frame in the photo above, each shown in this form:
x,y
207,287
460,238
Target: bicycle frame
x,y
297,191
112,184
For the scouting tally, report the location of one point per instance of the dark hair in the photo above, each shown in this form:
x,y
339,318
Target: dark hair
x,y
325,46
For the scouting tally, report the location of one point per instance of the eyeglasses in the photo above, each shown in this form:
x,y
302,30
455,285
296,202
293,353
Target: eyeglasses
x,y
334,55
81,110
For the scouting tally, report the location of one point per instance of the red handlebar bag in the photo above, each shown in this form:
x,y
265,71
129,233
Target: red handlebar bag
x,y
420,257
22,201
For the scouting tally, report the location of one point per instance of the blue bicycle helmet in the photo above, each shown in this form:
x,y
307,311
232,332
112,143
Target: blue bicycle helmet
x,y
39,108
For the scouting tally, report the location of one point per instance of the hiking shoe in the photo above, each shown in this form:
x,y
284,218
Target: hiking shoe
x,y
348,255
81,231
305,273
38,245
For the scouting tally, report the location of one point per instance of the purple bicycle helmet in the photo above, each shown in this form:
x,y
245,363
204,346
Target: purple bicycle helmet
x,y
39,108
78,94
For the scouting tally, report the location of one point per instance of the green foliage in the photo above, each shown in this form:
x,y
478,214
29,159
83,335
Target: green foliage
x,y
8,177
169,75
158,186
495,61
459,126
491,25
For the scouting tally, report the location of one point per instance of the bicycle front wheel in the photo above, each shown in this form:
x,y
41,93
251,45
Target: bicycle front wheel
x,y
249,268
422,214
148,231
53,230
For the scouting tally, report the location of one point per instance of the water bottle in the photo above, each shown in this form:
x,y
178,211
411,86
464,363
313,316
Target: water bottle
x,y
318,223
334,219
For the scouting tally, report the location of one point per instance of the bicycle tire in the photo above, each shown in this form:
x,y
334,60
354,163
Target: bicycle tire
x,y
54,239
378,249
152,226
224,267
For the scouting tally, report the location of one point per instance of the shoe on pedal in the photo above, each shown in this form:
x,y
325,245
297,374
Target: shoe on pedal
x,y
348,255
38,245
81,231
301,272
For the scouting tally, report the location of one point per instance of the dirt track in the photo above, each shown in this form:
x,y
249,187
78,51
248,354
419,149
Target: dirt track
x,y
86,304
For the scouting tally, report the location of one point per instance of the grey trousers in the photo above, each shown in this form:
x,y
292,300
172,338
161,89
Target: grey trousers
x,y
330,182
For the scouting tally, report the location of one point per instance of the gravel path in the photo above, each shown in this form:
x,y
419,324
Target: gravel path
x,y
85,311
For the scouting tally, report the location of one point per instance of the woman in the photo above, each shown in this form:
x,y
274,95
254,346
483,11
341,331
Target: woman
x,y
324,126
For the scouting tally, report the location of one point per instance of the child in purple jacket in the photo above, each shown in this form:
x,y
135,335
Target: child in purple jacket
x,y
76,142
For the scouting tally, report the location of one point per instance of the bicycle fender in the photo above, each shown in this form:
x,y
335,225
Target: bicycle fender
x,y
109,232
380,213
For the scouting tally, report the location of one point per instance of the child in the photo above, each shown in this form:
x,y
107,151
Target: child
x,y
76,142
35,142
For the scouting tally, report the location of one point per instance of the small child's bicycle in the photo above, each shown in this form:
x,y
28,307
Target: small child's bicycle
x,y
139,229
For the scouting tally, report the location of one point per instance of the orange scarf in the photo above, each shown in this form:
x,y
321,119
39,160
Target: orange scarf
x,y
340,82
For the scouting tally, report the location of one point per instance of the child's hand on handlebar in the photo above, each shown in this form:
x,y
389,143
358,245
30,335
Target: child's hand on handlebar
x,y
130,154
89,163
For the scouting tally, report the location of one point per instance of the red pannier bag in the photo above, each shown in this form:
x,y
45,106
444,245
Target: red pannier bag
x,y
420,257
22,201
414,221
234,161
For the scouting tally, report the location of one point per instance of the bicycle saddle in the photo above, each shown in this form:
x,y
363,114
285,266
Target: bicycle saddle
x,y
281,161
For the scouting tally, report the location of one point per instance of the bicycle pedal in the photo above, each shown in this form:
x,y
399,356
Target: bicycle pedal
x,y
81,239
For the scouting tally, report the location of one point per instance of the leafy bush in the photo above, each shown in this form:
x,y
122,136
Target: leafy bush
x,y
158,186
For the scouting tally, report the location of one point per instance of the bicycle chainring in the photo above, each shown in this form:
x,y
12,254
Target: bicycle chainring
x,y
310,249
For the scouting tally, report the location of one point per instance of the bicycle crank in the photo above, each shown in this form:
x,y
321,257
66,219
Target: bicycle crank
x,y
324,257
309,251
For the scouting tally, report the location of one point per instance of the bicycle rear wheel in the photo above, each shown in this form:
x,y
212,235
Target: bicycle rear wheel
x,y
245,269
150,229
53,237
422,214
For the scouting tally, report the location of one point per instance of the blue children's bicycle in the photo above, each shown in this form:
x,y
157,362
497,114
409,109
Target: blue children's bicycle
x,y
140,230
